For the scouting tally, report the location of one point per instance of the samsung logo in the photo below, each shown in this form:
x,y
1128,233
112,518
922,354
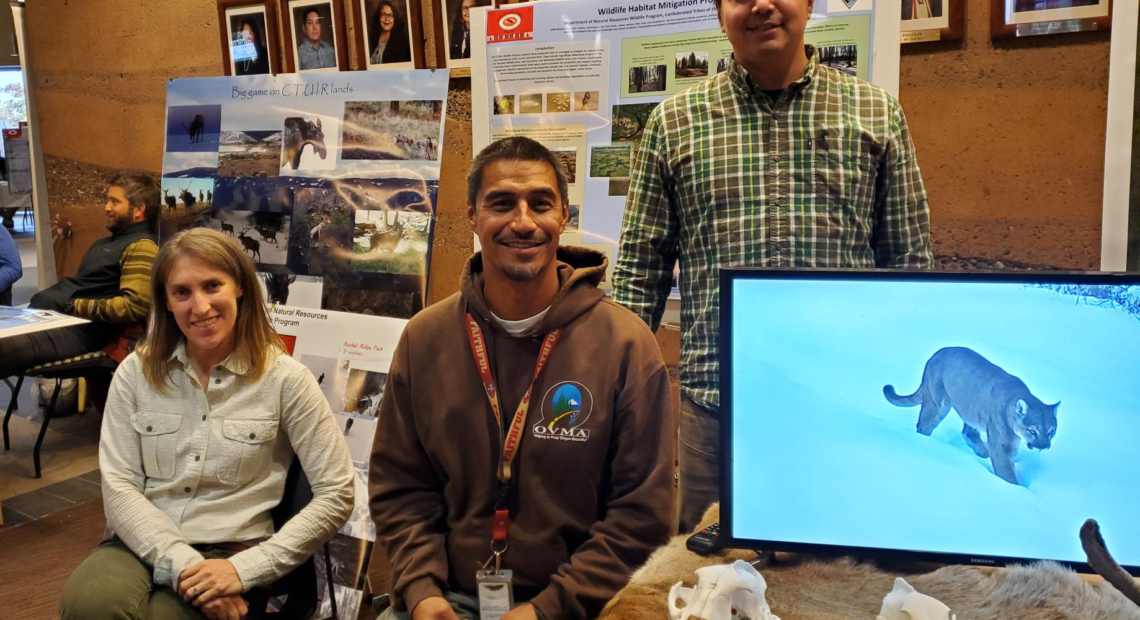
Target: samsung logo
x,y
981,561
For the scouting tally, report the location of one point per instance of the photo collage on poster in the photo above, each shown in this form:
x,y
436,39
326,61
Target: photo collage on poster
x,y
329,183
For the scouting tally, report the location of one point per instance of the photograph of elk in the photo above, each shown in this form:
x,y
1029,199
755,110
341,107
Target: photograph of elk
x,y
321,223
193,128
249,153
308,144
390,241
289,289
263,235
392,130
185,203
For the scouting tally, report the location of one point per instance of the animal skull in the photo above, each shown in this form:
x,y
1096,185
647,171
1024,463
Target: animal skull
x,y
726,592
906,603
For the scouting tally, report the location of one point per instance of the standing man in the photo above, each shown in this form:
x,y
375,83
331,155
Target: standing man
x,y
777,161
525,415
111,288
313,52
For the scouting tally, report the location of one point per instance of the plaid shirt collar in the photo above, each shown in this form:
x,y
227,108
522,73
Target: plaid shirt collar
x,y
743,82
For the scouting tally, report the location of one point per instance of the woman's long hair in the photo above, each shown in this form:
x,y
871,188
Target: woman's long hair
x,y
255,341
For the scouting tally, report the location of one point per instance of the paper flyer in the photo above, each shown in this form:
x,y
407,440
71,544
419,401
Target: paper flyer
x,y
349,355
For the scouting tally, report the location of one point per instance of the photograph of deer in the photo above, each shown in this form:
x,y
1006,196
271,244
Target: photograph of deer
x,y
392,130
289,289
193,128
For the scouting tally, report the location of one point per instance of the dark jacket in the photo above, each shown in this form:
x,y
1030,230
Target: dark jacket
x,y
100,272
593,494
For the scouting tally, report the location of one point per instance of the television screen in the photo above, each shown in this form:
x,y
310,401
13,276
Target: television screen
x,y
977,418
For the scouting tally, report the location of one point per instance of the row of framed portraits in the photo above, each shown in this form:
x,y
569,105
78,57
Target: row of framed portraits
x,y
388,34
933,20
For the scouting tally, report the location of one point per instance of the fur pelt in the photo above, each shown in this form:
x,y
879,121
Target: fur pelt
x,y
801,588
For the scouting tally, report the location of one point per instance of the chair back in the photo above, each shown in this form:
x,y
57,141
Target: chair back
x,y
301,584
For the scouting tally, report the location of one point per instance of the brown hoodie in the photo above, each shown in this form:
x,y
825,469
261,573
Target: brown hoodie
x,y
587,507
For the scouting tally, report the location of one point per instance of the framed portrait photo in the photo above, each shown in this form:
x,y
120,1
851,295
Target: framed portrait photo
x,y
933,20
456,30
248,29
1013,18
314,35
388,34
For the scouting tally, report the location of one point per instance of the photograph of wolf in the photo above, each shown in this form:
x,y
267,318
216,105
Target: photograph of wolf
x,y
981,418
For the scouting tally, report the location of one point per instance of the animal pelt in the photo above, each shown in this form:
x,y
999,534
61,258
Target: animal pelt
x,y
802,588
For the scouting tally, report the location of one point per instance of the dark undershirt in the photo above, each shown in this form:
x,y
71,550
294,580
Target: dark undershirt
x,y
774,94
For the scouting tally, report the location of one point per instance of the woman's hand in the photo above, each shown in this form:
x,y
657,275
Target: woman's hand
x,y
208,580
226,608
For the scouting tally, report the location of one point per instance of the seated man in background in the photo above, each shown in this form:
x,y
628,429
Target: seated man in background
x,y
11,268
529,361
111,288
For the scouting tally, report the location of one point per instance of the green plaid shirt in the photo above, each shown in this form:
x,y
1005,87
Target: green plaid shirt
x,y
826,176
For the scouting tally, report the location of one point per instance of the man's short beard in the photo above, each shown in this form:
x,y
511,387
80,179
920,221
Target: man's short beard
x,y
521,273
120,223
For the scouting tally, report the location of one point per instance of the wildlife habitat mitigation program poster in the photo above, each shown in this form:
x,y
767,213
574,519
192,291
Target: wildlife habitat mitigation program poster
x,y
582,77
349,354
328,181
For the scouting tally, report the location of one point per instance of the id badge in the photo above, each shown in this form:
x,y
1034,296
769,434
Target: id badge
x,y
495,596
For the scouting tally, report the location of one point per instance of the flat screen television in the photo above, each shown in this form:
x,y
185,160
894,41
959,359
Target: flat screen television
x,y
954,417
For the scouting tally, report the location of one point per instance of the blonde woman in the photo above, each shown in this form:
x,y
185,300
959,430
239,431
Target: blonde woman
x,y
200,427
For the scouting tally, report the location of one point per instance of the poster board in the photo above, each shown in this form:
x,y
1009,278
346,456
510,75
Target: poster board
x,y
581,77
329,181
349,355
1120,227
19,160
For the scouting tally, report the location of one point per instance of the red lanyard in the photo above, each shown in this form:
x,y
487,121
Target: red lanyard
x,y
510,443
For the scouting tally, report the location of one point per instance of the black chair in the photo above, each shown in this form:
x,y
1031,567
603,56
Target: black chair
x,y
84,365
301,584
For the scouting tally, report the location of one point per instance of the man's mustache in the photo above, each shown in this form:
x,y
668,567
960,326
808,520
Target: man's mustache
x,y
536,237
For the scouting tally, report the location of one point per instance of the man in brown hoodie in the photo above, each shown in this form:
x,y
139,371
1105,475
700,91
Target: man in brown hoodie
x,y
574,486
